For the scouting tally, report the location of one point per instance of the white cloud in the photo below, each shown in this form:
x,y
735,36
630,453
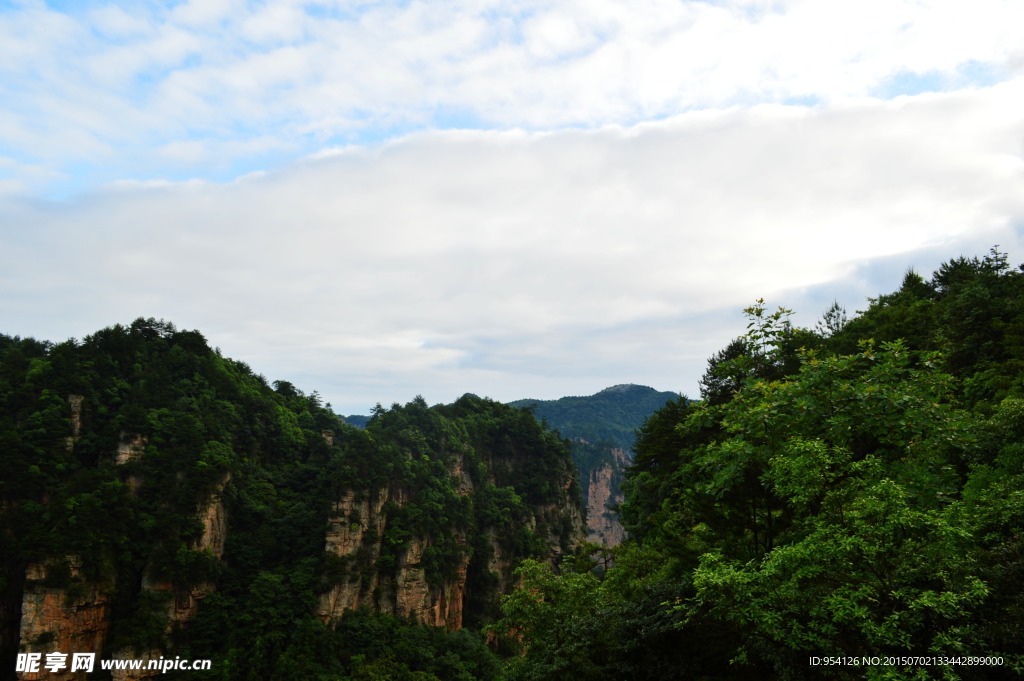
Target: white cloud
x,y
206,13
527,264
116,23
104,89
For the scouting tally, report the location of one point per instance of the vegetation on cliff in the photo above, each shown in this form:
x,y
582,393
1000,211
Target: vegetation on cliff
x,y
115,447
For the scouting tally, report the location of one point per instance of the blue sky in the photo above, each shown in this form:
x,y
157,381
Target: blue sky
x,y
378,200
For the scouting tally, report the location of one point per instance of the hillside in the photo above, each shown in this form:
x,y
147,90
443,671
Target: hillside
x,y
158,498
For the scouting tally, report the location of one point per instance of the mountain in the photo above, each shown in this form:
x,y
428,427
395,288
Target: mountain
x,y
159,499
357,420
601,430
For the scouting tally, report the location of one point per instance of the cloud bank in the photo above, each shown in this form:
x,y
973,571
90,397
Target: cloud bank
x,y
517,263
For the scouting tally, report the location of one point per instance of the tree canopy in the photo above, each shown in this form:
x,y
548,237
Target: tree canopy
x,y
852,490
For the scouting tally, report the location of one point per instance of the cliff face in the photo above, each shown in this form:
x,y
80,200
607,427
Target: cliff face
x,y
71,617
63,610
183,603
440,535
400,573
355,535
603,495
212,514
601,428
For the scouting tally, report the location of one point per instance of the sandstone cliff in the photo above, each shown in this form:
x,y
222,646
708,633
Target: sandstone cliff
x,y
183,602
357,537
603,496
64,612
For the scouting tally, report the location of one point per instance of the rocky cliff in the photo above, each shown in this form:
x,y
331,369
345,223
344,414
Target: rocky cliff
x,y
181,602
603,496
65,610
355,534
418,546
62,611
158,499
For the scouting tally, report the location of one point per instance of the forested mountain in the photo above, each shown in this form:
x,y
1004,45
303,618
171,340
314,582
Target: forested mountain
x,y
357,420
157,498
611,416
601,429
844,502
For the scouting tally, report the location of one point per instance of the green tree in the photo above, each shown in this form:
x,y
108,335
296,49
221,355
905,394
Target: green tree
x,y
552,620
859,543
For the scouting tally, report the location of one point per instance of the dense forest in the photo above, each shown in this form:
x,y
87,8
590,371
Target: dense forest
x,y
850,493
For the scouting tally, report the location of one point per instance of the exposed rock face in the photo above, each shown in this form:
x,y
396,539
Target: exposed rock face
x,y
214,518
184,603
130,448
454,506
353,524
76,618
63,612
75,402
603,494
63,619
602,429
433,506
414,598
356,535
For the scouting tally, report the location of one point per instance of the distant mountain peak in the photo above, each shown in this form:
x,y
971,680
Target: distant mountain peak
x,y
627,387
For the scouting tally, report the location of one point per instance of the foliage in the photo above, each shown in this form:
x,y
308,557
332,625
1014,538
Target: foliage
x,y
555,616
853,490
853,539
970,311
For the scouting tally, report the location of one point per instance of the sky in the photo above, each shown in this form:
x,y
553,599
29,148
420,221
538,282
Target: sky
x,y
516,199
